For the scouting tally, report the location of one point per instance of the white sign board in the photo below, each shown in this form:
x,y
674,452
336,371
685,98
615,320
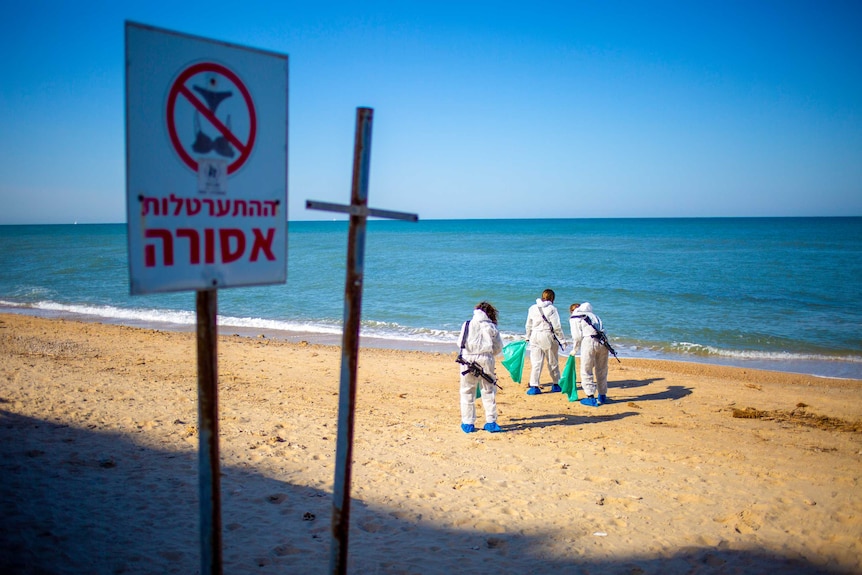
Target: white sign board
x,y
206,163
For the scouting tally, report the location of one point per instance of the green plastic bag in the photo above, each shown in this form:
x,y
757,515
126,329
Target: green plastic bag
x,y
513,359
569,379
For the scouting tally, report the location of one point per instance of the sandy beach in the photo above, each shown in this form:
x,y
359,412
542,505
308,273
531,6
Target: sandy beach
x,y
691,469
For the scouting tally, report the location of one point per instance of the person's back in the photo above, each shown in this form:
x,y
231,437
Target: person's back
x,y
479,342
483,337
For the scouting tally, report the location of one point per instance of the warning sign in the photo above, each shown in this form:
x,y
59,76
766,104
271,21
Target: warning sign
x,y
206,148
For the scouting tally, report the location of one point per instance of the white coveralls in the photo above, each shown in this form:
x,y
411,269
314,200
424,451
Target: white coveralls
x,y
542,342
483,343
594,356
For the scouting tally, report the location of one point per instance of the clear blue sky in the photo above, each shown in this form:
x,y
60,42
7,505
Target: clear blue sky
x,y
482,109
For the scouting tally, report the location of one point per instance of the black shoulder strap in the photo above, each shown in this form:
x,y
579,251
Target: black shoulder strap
x,y
546,319
600,335
464,335
553,333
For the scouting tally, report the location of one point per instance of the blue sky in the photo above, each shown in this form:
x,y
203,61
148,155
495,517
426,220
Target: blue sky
x,y
482,109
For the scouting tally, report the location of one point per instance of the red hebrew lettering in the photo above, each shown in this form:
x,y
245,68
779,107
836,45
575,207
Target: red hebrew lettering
x,y
225,237
145,206
173,205
209,246
193,206
263,243
194,243
223,208
178,204
167,248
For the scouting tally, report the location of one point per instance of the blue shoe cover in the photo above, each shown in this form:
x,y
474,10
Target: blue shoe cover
x,y
590,401
534,391
556,388
603,398
492,427
467,428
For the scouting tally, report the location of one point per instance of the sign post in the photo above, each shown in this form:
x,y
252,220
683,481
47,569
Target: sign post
x,y
359,212
209,477
206,197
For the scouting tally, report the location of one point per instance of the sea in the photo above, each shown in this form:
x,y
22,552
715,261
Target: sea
x,y
781,294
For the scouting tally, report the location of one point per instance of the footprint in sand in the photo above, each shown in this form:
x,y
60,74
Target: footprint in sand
x,y
744,522
496,543
462,483
285,550
369,526
489,527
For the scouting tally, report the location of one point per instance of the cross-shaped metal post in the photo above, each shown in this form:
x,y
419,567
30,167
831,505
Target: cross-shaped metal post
x,y
359,213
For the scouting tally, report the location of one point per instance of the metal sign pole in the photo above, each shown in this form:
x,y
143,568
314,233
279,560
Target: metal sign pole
x,y
350,343
209,482
359,212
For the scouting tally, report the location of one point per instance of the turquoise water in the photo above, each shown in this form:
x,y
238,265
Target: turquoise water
x,y
773,293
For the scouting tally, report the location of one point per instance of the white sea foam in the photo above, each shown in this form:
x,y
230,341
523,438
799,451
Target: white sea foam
x,y
135,315
142,316
393,335
756,355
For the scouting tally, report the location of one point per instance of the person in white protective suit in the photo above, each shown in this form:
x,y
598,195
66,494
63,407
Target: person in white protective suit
x,y
594,356
546,338
480,341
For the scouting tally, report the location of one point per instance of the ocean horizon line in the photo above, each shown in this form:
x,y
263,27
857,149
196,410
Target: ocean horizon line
x,y
513,219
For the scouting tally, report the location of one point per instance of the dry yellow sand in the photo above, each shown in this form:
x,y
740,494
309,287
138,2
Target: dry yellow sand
x,y
691,469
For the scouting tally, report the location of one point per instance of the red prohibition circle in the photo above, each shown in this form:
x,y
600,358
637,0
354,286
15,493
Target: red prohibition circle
x,y
179,88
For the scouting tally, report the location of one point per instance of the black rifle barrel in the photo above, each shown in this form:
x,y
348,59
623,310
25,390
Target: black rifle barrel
x,y
476,369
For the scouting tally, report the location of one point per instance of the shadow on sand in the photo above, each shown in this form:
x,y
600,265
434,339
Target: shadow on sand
x,y
69,506
595,415
554,419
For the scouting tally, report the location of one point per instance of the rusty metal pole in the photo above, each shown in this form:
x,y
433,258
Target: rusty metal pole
x,y
209,480
350,341
359,213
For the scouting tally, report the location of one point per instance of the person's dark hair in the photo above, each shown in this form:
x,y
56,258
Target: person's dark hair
x,y
548,295
489,310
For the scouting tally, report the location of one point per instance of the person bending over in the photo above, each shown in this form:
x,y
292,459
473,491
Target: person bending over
x,y
594,356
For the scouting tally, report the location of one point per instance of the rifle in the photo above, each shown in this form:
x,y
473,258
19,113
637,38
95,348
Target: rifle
x,y
603,339
600,336
476,369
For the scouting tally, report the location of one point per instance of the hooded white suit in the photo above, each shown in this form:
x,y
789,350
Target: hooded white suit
x,y
482,344
594,356
542,340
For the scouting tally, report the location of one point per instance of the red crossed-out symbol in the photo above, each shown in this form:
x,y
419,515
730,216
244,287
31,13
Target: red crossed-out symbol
x,y
180,88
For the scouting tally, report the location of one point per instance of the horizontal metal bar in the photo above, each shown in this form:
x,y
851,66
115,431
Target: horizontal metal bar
x,y
360,211
326,206
393,215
